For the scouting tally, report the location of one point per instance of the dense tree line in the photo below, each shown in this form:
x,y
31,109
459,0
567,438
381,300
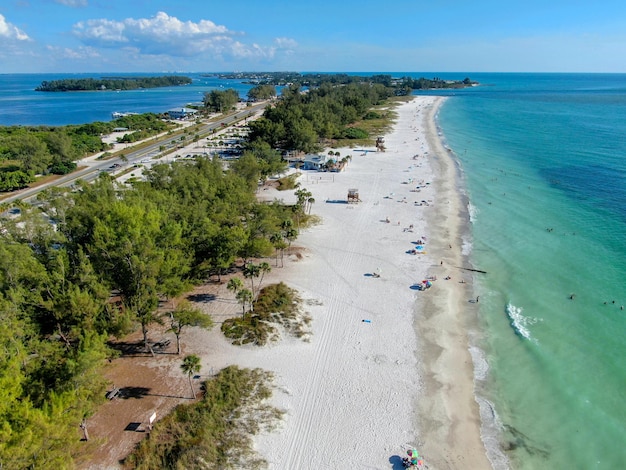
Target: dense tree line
x,y
61,262
220,101
318,79
262,92
406,85
112,83
26,151
300,121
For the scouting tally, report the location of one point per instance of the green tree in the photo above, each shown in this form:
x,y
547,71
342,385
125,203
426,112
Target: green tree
x,y
262,92
190,366
234,284
251,271
279,244
249,168
244,297
310,201
186,315
139,250
224,246
264,268
221,101
271,161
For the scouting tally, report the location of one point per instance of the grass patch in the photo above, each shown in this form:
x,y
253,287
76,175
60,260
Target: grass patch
x,y
377,122
309,220
277,308
215,433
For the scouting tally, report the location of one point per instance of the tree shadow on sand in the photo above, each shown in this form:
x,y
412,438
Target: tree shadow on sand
x,y
129,348
133,392
202,298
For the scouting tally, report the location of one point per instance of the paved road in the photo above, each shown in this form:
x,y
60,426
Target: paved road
x,y
95,167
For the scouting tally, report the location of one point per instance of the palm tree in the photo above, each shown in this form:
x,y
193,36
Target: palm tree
x,y
279,244
244,296
251,271
291,234
264,268
310,201
234,284
190,366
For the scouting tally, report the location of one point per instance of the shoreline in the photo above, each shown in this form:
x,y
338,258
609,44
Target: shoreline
x,y
387,367
450,424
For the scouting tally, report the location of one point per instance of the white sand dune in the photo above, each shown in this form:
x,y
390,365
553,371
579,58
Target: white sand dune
x,y
359,393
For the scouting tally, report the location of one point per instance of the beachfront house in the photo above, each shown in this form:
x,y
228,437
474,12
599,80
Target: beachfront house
x,y
314,162
181,113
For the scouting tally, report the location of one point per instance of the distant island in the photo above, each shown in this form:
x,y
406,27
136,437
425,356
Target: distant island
x,y
112,83
403,85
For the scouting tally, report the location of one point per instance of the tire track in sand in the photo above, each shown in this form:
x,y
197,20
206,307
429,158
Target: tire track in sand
x,y
307,418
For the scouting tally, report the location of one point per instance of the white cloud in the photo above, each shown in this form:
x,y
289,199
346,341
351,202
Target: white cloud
x,y
81,53
251,51
163,35
9,31
72,3
285,43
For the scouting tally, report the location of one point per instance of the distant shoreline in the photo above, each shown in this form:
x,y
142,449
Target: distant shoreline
x,y
111,84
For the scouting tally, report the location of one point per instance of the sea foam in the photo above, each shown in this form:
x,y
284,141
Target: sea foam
x,y
519,322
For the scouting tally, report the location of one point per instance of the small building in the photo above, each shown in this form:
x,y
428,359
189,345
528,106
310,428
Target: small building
x,y
353,195
181,113
314,161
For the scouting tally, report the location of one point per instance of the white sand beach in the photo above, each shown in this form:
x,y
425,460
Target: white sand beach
x,y
386,366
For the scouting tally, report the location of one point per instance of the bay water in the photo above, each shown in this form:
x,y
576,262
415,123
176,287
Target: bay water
x,y
543,161
20,104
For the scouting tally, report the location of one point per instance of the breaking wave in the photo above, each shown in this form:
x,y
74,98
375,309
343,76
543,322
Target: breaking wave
x,y
519,322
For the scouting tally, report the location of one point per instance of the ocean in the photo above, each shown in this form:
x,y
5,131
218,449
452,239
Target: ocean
x,y
543,161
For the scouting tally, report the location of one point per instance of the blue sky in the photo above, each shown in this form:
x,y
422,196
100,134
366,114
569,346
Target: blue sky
x,y
328,36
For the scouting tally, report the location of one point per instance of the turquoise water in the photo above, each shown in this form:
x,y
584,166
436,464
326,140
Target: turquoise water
x,y
544,162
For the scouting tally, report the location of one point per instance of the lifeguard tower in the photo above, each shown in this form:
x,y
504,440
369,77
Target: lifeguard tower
x,y
353,196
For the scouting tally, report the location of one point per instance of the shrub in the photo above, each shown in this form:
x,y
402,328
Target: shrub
x,y
354,133
12,180
277,305
216,432
62,168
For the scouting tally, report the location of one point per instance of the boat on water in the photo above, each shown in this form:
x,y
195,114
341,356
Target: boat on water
x,y
117,114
